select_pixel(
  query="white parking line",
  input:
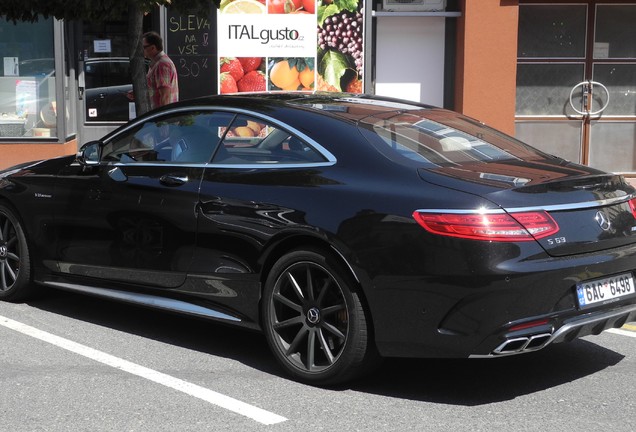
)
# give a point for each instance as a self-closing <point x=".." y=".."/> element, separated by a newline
<point x="218" y="399"/>
<point x="623" y="332"/>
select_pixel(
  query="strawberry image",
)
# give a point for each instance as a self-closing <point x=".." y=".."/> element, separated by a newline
<point x="252" y="82"/>
<point x="228" y="83"/>
<point x="233" y="66"/>
<point x="250" y="63"/>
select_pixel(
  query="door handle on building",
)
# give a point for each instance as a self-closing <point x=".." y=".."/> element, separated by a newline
<point x="588" y="93"/>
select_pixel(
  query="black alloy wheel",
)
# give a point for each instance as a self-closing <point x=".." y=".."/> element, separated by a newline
<point x="15" y="266"/>
<point x="314" y="321"/>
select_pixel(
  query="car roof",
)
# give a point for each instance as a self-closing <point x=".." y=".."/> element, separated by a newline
<point x="352" y="107"/>
<point x="107" y="59"/>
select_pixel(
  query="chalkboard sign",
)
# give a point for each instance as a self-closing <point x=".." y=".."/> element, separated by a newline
<point x="191" y="44"/>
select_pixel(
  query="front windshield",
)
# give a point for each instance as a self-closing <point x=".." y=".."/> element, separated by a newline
<point x="441" y="138"/>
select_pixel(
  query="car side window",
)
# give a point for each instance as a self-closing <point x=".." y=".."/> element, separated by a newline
<point x="183" y="138"/>
<point x="250" y="141"/>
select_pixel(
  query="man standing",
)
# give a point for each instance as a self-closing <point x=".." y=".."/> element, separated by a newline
<point x="163" y="83"/>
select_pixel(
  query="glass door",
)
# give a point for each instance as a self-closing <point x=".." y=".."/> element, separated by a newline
<point x="612" y="141"/>
<point x="576" y="82"/>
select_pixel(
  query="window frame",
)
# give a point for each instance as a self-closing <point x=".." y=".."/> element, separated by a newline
<point x="329" y="158"/>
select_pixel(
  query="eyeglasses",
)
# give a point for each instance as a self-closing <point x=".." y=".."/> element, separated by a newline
<point x="146" y="46"/>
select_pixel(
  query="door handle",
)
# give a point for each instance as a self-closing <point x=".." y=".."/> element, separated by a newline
<point x="173" y="179"/>
<point x="588" y="93"/>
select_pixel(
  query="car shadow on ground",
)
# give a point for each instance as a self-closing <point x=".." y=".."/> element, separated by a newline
<point x="473" y="382"/>
<point x="205" y="336"/>
<point x="466" y="382"/>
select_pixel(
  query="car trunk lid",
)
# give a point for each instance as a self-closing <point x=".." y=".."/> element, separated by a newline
<point x="592" y="209"/>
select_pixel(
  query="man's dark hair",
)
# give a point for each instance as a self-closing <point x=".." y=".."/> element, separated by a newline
<point x="153" y="38"/>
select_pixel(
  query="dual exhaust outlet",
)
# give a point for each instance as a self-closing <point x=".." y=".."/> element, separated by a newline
<point x="523" y="344"/>
<point x="539" y="336"/>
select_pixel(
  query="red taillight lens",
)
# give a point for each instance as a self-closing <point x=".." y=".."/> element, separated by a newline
<point x="522" y="226"/>
<point x="529" y="325"/>
<point x="632" y="206"/>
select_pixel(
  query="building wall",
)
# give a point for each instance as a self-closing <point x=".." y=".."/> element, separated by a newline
<point x="13" y="154"/>
<point x="487" y="62"/>
<point x="409" y="58"/>
<point x="485" y="82"/>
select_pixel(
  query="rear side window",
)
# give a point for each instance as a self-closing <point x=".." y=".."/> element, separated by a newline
<point x="440" y="138"/>
<point x="249" y="141"/>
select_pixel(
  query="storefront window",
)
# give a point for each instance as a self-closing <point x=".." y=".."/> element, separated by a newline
<point x="107" y="76"/>
<point x="27" y="79"/>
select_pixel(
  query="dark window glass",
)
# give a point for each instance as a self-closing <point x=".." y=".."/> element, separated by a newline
<point x="182" y="139"/>
<point x="552" y="31"/>
<point x="440" y="139"/>
<point x="615" y="31"/>
<point x="253" y="141"/>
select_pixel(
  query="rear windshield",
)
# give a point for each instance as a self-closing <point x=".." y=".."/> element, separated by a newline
<point x="442" y="138"/>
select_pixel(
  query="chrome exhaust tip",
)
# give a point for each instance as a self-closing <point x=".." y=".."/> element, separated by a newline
<point x="523" y="344"/>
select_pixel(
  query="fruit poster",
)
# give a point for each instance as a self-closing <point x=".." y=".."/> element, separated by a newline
<point x="290" y="45"/>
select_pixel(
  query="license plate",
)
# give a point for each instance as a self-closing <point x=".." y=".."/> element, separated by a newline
<point x="606" y="290"/>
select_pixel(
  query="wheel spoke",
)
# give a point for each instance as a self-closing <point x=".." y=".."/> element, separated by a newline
<point x="325" y="347"/>
<point x="297" y="289"/>
<point x="333" y="330"/>
<point x="311" y="350"/>
<point x="287" y="302"/>
<point x="323" y="290"/>
<point x="330" y="310"/>
<point x="310" y="284"/>
<point x="3" y="281"/>
<point x="4" y="232"/>
<point x="12" y="274"/>
<point x="288" y="323"/>
<point x="293" y="347"/>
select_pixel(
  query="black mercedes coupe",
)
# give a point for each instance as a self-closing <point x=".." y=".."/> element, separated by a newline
<point x="346" y="228"/>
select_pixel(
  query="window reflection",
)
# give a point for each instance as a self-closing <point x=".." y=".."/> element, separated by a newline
<point x="27" y="80"/>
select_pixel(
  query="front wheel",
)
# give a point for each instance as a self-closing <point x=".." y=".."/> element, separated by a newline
<point x="314" y="320"/>
<point x="15" y="265"/>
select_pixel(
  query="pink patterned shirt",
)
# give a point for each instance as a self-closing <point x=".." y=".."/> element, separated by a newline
<point x="162" y="78"/>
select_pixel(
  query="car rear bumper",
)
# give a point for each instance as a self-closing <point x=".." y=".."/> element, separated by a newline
<point x="592" y="323"/>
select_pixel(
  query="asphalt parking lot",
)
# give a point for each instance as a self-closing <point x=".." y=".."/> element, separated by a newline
<point x="71" y="363"/>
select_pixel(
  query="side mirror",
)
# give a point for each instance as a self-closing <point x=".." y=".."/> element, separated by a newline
<point x="89" y="153"/>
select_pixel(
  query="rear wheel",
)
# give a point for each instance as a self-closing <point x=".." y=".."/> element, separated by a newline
<point x="15" y="265"/>
<point x="314" y="320"/>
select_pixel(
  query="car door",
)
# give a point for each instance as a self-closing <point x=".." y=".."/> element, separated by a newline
<point x="132" y="218"/>
<point x="255" y="188"/>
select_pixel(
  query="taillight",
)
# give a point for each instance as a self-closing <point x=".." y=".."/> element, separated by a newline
<point x="632" y="206"/>
<point x="522" y="226"/>
<point x="528" y="325"/>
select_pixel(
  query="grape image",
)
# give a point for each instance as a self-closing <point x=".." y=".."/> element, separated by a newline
<point x="340" y="56"/>
<point x="343" y="32"/>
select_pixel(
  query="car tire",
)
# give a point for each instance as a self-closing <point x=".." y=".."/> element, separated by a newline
<point x="15" y="263"/>
<point x="314" y="320"/>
